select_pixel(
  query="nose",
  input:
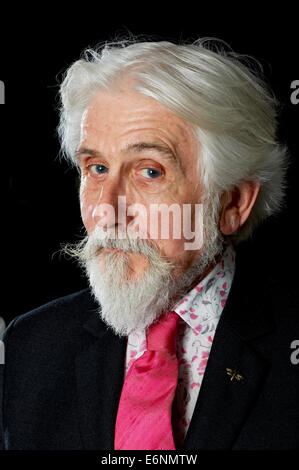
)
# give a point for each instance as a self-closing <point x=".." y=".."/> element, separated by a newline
<point x="110" y="209"/>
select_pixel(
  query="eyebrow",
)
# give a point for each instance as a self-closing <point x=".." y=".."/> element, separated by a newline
<point x="138" y="147"/>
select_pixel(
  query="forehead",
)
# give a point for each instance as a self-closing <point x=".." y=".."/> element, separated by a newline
<point x="124" y="114"/>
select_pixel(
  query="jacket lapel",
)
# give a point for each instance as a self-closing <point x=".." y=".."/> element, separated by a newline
<point x="225" y="400"/>
<point x="99" y="371"/>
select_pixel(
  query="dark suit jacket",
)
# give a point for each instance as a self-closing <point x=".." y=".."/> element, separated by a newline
<point x="63" y="375"/>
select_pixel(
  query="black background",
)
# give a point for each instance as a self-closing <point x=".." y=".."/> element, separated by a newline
<point x="40" y="208"/>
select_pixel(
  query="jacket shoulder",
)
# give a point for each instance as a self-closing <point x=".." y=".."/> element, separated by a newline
<point x="58" y="319"/>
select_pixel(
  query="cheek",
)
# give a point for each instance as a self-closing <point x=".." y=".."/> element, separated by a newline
<point x="86" y="208"/>
<point x="86" y="215"/>
<point x="172" y="249"/>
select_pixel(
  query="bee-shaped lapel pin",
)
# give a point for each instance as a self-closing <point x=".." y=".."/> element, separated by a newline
<point x="234" y="374"/>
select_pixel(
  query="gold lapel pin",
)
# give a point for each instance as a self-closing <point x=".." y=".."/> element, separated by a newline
<point x="234" y="374"/>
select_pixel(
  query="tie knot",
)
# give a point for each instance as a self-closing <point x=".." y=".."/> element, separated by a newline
<point x="162" y="334"/>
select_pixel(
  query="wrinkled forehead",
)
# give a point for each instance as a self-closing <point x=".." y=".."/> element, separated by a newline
<point x="124" y="115"/>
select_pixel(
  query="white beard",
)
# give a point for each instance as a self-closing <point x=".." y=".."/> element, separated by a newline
<point x="128" y="305"/>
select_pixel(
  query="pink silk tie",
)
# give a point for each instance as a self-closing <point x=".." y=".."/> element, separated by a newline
<point x="143" y="419"/>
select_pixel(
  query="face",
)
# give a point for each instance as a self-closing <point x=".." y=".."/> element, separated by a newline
<point x="133" y="146"/>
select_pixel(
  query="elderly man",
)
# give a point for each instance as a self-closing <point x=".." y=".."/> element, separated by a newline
<point x="179" y="342"/>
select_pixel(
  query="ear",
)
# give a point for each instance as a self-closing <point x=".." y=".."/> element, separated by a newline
<point x="236" y="206"/>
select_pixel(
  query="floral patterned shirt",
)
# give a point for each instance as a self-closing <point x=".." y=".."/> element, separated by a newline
<point x="200" y="311"/>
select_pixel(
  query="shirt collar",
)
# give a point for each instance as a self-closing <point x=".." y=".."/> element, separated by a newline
<point x="206" y="300"/>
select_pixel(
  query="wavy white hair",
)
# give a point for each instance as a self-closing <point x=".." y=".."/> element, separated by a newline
<point x="219" y="91"/>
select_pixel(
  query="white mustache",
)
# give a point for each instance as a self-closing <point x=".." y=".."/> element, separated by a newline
<point x="99" y="239"/>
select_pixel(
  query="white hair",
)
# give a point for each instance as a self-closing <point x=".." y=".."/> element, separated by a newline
<point x="230" y="105"/>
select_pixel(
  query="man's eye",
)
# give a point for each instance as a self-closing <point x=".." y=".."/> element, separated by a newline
<point x="98" y="169"/>
<point x="150" y="173"/>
